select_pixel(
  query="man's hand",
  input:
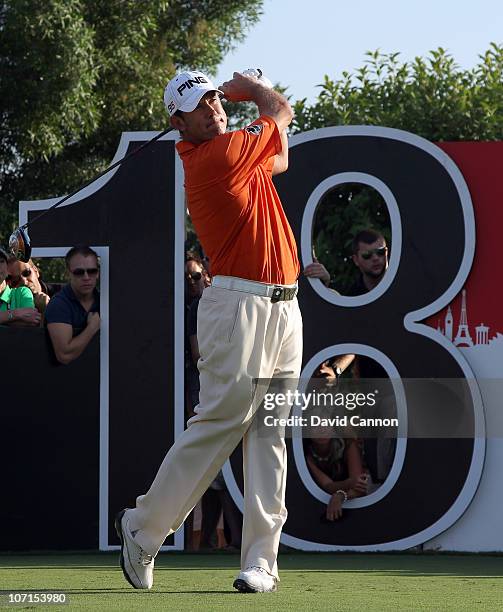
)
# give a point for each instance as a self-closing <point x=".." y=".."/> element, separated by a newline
<point x="317" y="270"/>
<point x="271" y="103"/>
<point x="325" y="371"/>
<point x="41" y="300"/>
<point x="26" y="316"/>
<point x="93" y="321"/>
<point x="241" y="87"/>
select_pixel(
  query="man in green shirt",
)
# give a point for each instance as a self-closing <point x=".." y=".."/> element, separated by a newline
<point x="16" y="305"/>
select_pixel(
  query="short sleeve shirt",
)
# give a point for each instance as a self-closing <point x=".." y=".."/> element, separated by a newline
<point x="20" y="297"/>
<point x="234" y="206"/>
<point x="64" y="307"/>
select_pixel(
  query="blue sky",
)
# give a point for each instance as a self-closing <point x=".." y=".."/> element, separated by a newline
<point x="297" y="42"/>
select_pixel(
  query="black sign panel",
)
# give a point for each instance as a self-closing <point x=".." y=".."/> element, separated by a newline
<point x="117" y="401"/>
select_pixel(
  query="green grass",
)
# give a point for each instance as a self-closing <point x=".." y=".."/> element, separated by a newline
<point x="311" y="582"/>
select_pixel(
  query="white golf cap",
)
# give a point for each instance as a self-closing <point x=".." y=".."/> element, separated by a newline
<point x="185" y="90"/>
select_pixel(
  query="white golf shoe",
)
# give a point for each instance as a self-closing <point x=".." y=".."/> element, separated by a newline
<point x="255" y="579"/>
<point x="137" y="565"/>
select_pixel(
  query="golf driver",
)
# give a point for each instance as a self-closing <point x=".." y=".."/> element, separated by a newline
<point x="19" y="241"/>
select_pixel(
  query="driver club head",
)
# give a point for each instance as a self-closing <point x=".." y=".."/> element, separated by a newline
<point x="19" y="244"/>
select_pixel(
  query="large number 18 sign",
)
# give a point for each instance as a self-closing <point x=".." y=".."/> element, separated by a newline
<point x="135" y="218"/>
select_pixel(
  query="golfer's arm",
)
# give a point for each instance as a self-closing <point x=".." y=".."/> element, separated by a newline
<point x="67" y="348"/>
<point x="281" y="159"/>
<point x="272" y="104"/>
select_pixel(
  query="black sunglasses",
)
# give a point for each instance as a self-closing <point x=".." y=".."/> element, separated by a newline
<point x="381" y="252"/>
<point x="25" y="273"/>
<point x="82" y="271"/>
<point x="195" y="276"/>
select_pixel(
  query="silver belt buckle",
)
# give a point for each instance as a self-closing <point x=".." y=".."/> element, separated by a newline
<point x="277" y="294"/>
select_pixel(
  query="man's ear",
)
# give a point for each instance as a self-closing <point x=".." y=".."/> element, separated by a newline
<point x="353" y="257"/>
<point x="177" y="123"/>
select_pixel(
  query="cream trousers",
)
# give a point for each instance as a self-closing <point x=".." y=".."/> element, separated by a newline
<point x="242" y="337"/>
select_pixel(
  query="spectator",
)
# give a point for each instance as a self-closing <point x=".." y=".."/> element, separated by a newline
<point x="196" y="276"/>
<point x="336" y="465"/>
<point x="27" y="275"/>
<point x="196" y="279"/>
<point x="72" y="316"/>
<point x="370" y="256"/>
<point x="16" y="304"/>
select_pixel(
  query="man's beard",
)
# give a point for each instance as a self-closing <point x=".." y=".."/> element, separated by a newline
<point x="376" y="275"/>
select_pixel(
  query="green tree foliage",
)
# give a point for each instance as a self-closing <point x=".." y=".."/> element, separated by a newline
<point x="74" y="74"/>
<point x="432" y="97"/>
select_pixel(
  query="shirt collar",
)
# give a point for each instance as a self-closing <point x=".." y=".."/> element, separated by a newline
<point x="69" y="292"/>
<point x="71" y="295"/>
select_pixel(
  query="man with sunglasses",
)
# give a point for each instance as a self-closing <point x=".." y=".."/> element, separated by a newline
<point x="370" y="256"/>
<point x="196" y="277"/>
<point x="72" y="316"/>
<point x="249" y="325"/>
<point x="26" y="274"/>
<point x="16" y="304"/>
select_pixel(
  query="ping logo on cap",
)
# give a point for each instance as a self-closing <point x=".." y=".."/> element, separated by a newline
<point x="189" y="83"/>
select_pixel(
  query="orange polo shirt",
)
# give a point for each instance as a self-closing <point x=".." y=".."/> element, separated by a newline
<point x="234" y="206"/>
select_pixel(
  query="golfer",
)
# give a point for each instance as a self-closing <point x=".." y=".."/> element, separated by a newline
<point x="249" y="325"/>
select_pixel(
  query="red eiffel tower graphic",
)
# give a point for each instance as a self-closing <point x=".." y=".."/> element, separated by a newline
<point x="463" y="337"/>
